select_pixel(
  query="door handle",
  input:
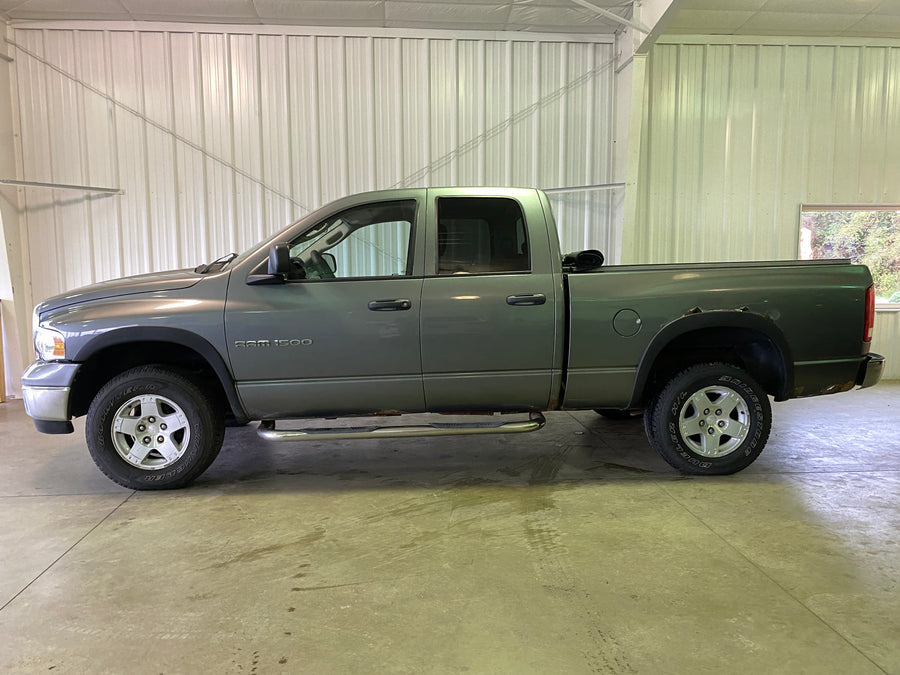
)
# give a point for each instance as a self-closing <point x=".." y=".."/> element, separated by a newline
<point x="526" y="299"/>
<point x="390" y="305"/>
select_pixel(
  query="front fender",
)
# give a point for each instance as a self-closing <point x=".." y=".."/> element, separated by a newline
<point x="166" y="334"/>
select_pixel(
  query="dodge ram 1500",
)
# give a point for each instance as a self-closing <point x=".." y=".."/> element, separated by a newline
<point x="441" y="301"/>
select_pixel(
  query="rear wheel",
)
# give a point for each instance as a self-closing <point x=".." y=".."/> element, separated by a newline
<point x="710" y="419"/>
<point x="151" y="428"/>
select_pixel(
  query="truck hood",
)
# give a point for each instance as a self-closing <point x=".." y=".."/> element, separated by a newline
<point x="142" y="283"/>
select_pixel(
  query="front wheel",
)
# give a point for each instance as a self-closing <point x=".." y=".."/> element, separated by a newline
<point x="710" y="419"/>
<point x="151" y="428"/>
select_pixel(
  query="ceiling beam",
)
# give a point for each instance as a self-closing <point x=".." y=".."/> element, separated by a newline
<point x="612" y="16"/>
<point x="660" y="13"/>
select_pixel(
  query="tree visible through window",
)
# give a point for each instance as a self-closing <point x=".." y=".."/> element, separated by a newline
<point x="870" y="237"/>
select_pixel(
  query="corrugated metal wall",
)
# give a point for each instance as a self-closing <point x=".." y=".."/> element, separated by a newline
<point x="220" y="139"/>
<point x="736" y="137"/>
<point x="886" y="341"/>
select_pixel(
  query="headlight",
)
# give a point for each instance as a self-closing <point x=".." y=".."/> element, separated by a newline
<point x="49" y="344"/>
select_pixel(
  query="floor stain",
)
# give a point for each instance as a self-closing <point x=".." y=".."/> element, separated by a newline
<point x="545" y="468"/>
<point x="298" y="589"/>
<point x="553" y="570"/>
<point x="265" y="551"/>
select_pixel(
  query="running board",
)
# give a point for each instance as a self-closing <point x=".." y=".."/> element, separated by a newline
<point x="267" y="430"/>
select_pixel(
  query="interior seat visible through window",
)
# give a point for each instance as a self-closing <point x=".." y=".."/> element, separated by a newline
<point x="478" y="235"/>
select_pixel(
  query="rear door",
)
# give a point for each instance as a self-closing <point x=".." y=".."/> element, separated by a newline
<point x="489" y="304"/>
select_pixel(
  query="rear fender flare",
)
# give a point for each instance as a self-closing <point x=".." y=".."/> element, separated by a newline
<point x="714" y="319"/>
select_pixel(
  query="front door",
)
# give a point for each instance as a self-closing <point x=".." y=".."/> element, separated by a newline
<point x="342" y="334"/>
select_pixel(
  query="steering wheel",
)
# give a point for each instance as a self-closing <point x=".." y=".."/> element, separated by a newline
<point x="298" y="271"/>
<point x="321" y="267"/>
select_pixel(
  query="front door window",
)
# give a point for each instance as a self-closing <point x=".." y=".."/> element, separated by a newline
<point x="367" y="241"/>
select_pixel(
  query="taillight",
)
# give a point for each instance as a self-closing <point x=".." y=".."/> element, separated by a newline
<point x="870" y="314"/>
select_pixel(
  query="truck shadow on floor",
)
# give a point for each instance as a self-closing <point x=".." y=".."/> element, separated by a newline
<point x="571" y="448"/>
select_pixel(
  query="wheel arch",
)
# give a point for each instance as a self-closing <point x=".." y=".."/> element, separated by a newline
<point x="116" y="351"/>
<point x="744" y="339"/>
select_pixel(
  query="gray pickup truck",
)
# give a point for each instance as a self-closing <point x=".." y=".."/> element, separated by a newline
<point x="453" y="300"/>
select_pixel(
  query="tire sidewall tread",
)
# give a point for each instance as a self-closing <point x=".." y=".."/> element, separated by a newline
<point x="204" y="417"/>
<point x="661" y="419"/>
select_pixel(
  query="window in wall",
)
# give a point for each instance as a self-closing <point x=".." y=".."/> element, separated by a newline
<point x="866" y="235"/>
<point x="478" y="235"/>
<point x="366" y="241"/>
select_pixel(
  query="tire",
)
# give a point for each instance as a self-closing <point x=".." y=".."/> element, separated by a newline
<point x="615" y="414"/>
<point x="710" y="419"/>
<point x="151" y="428"/>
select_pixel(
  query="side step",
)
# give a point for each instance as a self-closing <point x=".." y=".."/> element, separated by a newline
<point x="268" y="431"/>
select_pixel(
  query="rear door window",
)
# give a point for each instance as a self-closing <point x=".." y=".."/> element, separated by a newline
<point x="481" y="235"/>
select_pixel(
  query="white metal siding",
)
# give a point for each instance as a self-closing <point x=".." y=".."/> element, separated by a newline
<point x="886" y="341"/>
<point x="219" y="139"/>
<point x="737" y="137"/>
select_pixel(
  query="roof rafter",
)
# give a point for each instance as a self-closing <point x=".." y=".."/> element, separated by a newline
<point x="602" y="11"/>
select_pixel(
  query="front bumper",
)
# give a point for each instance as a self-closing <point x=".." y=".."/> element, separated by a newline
<point x="870" y="370"/>
<point x="45" y="388"/>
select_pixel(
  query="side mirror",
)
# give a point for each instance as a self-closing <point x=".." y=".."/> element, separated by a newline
<point x="277" y="267"/>
<point x="279" y="259"/>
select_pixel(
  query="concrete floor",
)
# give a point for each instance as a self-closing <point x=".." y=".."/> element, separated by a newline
<point x="570" y="550"/>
